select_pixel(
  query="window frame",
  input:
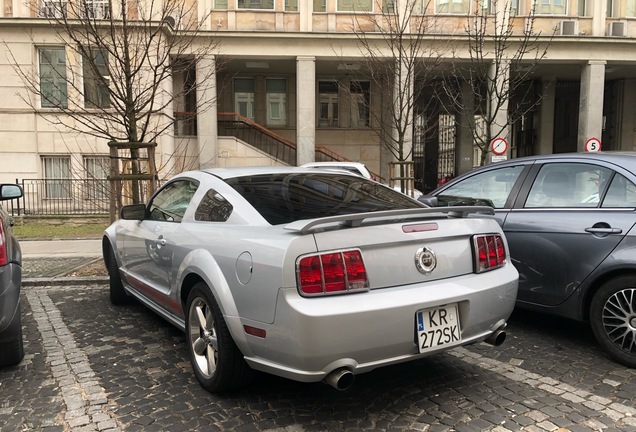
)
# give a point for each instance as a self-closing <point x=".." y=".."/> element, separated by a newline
<point x="364" y="120"/>
<point x="57" y="174"/>
<point x="271" y="98"/>
<point x="96" y="185"/>
<point x="353" y="9"/>
<point x="101" y="89"/>
<point x="242" y="5"/>
<point x="333" y="110"/>
<point x="55" y="79"/>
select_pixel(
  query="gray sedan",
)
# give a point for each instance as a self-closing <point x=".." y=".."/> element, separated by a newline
<point x="11" y="345"/>
<point x="309" y="274"/>
<point x="570" y="222"/>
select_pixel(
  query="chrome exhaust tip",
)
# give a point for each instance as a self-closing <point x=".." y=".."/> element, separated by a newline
<point x="340" y="379"/>
<point x="496" y="338"/>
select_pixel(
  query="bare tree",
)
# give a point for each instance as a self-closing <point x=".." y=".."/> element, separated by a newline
<point x="503" y="54"/>
<point x="400" y="59"/>
<point x="113" y="78"/>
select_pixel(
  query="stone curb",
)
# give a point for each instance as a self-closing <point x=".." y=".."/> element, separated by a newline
<point x="48" y="281"/>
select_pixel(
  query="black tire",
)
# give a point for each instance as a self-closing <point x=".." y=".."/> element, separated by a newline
<point x="11" y="347"/>
<point x="613" y="319"/>
<point x="217" y="362"/>
<point x="118" y="295"/>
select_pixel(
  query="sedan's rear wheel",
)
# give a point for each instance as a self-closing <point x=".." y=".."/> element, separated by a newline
<point x="217" y="362"/>
<point x="613" y="319"/>
<point x="11" y="346"/>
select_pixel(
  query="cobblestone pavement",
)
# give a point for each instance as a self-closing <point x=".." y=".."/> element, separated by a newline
<point x="91" y="366"/>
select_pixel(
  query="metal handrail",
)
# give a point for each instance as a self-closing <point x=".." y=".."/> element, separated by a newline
<point x="325" y="154"/>
<point x="233" y="124"/>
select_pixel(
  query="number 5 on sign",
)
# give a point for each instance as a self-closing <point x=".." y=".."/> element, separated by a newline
<point x="593" y="145"/>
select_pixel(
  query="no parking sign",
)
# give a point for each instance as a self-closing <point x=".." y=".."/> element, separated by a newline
<point x="593" y="145"/>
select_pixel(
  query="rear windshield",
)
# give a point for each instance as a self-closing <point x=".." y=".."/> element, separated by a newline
<point x="284" y="198"/>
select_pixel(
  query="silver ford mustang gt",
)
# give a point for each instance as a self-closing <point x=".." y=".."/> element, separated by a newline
<point x="309" y="274"/>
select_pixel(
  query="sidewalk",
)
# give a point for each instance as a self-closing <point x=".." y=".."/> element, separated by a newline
<point x="46" y="262"/>
<point x="61" y="248"/>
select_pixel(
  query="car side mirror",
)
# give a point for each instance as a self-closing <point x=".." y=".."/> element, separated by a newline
<point x="10" y="191"/>
<point x="429" y="200"/>
<point x="133" y="212"/>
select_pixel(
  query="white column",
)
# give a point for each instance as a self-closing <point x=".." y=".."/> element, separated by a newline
<point x="597" y="9"/>
<point x="207" y="112"/>
<point x="591" y="102"/>
<point x="17" y="9"/>
<point x="204" y="10"/>
<point x="306" y="110"/>
<point x="306" y="11"/>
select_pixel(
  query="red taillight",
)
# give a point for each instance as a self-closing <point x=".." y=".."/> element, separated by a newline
<point x="3" y="247"/>
<point x="331" y="273"/>
<point x="490" y="252"/>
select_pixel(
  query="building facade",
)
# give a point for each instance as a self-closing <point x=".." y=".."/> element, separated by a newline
<point x="292" y="86"/>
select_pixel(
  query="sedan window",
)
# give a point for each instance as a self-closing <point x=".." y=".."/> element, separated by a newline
<point x="171" y="202"/>
<point x="489" y="188"/>
<point x="621" y="193"/>
<point x="571" y="185"/>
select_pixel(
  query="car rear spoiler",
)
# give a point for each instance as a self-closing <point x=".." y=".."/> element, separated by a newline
<point x="354" y="220"/>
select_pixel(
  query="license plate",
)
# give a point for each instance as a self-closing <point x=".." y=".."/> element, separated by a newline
<point x="438" y="326"/>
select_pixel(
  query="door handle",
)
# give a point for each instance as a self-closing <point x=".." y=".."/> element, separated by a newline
<point x="605" y="231"/>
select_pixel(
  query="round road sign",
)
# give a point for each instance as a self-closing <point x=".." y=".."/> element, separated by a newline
<point x="593" y="145"/>
<point x="499" y="146"/>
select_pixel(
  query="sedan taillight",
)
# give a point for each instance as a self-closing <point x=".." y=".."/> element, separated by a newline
<point x="332" y="273"/>
<point x="490" y="252"/>
<point x="3" y="247"/>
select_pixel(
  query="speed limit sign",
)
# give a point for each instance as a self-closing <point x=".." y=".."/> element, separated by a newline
<point x="593" y="145"/>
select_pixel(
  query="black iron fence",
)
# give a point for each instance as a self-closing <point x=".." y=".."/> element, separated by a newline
<point x="61" y="197"/>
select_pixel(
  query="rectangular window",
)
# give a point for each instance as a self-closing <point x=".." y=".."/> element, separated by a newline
<point x="96" y="169"/>
<point x="53" y="9"/>
<point x="355" y="6"/>
<point x="320" y="5"/>
<point x="256" y="4"/>
<point x="630" y="8"/>
<point x="96" y="80"/>
<point x="452" y="6"/>
<point x="57" y="176"/>
<point x="550" y="7"/>
<point x="291" y="5"/>
<point x="416" y="7"/>
<point x="96" y="9"/>
<point x="581" y="11"/>
<point x="53" y="83"/>
<point x="276" y="89"/>
<point x="220" y="4"/>
<point x="328" y="104"/>
<point x="388" y="6"/>
<point x="244" y="97"/>
<point x="360" y="103"/>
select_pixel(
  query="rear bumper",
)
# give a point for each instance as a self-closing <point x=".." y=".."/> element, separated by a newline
<point x="311" y="337"/>
<point x="10" y="282"/>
